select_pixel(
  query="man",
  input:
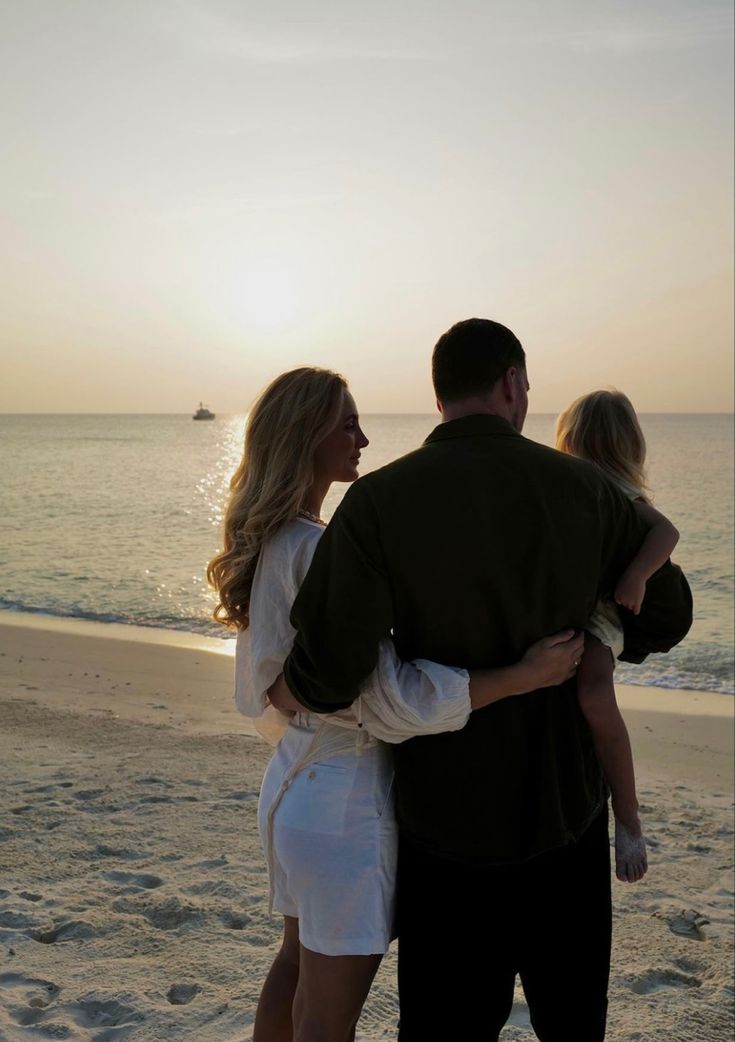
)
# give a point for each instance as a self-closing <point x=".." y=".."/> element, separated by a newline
<point x="467" y="550"/>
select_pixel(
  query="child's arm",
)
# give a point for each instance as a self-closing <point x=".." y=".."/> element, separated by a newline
<point x="655" y="551"/>
<point x="596" y="693"/>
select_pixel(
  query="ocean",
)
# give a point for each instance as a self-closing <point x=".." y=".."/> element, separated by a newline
<point x="113" y="518"/>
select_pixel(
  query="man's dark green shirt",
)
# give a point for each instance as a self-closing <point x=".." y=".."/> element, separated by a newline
<point x="467" y="551"/>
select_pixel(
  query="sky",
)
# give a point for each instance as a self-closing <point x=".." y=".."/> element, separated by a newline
<point x="198" y="194"/>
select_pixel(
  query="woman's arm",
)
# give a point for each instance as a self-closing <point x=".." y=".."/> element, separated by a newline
<point x="548" y="662"/>
<point x="655" y="551"/>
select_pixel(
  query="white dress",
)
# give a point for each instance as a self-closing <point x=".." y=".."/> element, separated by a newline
<point x="326" y="811"/>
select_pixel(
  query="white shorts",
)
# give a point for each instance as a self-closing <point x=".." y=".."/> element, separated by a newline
<point x="604" y="623"/>
<point x="335" y="847"/>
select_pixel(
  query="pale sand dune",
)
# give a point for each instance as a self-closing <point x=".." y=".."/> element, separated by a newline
<point x="133" y="897"/>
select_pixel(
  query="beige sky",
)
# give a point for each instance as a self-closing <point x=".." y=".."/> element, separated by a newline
<point x="197" y="194"/>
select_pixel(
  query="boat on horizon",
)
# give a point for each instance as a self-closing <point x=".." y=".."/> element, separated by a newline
<point x="203" y="413"/>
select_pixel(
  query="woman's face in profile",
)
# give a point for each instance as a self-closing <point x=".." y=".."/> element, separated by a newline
<point x="337" y="456"/>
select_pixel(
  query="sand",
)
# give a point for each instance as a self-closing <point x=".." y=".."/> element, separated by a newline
<point x="133" y="894"/>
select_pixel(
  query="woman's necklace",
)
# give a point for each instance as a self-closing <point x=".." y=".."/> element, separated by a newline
<point x="311" y="517"/>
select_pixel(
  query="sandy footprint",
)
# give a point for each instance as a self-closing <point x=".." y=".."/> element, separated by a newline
<point x="134" y="879"/>
<point x="95" y="1011"/>
<point x="689" y="924"/>
<point x="653" y="980"/>
<point x="182" y="994"/>
<point x="163" y="915"/>
<point x="28" y="1002"/>
<point x="102" y="850"/>
<point x="73" y="930"/>
<point x="34" y="991"/>
<point x="214" y="888"/>
<point x="12" y="920"/>
<point x="234" y="920"/>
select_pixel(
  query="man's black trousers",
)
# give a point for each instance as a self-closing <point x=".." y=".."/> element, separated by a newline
<point x="465" y="932"/>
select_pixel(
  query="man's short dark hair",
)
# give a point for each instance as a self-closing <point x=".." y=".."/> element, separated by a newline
<point x="471" y="357"/>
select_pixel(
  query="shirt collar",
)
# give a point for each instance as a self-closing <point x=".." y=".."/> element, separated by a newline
<point x="477" y="425"/>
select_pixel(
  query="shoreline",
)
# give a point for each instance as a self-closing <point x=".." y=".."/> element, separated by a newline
<point x="161" y="636"/>
<point x="117" y="631"/>
<point x="171" y="678"/>
<point x="164" y="678"/>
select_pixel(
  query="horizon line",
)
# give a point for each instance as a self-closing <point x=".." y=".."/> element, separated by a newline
<point x="394" y="412"/>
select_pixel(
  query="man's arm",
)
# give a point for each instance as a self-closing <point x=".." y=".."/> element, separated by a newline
<point x="343" y="610"/>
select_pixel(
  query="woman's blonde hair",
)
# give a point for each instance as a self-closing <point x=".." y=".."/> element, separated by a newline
<point x="285" y="425"/>
<point x="602" y="427"/>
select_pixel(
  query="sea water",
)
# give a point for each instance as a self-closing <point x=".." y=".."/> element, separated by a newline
<point x="113" y="518"/>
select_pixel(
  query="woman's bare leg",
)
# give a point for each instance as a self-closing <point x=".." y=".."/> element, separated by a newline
<point x="596" y="693"/>
<point x="274" y="1016"/>
<point x="330" y="995"/>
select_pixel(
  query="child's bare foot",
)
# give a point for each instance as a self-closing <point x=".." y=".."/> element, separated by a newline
<point x="631" y="860"/>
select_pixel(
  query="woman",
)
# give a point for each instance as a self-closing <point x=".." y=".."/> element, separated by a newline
<point x="326" y="815"/>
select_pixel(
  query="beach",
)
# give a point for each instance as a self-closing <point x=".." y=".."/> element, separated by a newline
<point x="133" y="891"/>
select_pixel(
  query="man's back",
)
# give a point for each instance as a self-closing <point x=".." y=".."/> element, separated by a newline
<point x="470" y="549"/>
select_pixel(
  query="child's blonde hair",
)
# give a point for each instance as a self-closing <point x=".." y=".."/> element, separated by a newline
<point x="602" y="427"/>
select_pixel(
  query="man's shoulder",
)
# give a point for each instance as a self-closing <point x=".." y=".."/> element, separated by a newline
<point x="397" y="468"/>
<point x="527" y="453"/>
<point x="561" y="462"/>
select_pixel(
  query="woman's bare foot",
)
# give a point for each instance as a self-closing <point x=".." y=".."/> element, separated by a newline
<point x="631" y="860"/>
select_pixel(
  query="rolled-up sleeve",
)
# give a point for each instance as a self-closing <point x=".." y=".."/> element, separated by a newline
<point x="401" y="700"/>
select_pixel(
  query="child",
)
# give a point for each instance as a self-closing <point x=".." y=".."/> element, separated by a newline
<point x="602" y="427"/>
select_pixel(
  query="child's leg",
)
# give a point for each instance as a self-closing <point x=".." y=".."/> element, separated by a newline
<point x="596" y="693"/>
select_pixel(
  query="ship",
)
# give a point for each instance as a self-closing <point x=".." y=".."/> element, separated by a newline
<point x="203" y="413"/>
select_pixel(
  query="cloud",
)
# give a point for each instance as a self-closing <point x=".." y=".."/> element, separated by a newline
<point x="670" y="32"/>
<point x="209" y="31"/>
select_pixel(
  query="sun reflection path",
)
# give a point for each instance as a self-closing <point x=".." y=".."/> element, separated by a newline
<point x="214" y="486"/>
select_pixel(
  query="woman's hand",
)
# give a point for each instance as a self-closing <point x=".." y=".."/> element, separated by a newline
<point x="552" y="660"/>
<point x="279" y="695"/>
<point x="548" y="662"/>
